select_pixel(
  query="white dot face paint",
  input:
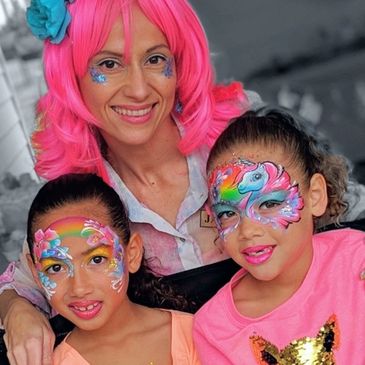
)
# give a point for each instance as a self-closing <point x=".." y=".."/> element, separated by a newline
<point x="104" y="254"/>
<point x="260" y="191"/>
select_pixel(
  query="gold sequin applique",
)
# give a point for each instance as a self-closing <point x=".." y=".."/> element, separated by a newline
<point x="304" y="351"/>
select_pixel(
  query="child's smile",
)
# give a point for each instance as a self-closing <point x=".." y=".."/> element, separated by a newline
<point x="260" y="210"/>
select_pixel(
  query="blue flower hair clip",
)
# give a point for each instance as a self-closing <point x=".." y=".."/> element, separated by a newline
<point x="48" y="19"/>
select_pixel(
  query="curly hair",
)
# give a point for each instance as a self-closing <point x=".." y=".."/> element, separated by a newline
<point x="281" y="127"/>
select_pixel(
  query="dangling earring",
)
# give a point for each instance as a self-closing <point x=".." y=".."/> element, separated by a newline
<point x="178" y="106"/>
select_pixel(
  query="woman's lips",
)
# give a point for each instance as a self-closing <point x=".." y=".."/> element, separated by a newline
<point x="257" y="255"/>
<point x="134" y="114"/>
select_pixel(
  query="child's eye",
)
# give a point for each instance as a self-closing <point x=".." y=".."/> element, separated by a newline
<point x="97" y="260"/>
<point x="270" y="204"/>
<point x="54" y="269"/>
<point x="226" y="214"/>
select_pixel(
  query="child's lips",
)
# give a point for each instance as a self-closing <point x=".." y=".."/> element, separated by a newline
<point x="258" y="254"/>
<point x="86" y="309"/>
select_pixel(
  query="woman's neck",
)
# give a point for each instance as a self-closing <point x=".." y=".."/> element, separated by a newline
<point x="143" y="162"/>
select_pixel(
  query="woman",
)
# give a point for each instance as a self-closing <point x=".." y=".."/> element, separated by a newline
<point x="131" y="97"/>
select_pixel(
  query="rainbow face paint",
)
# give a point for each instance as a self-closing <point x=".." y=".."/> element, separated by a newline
<point x="53" y="261"/>
<point x="260" y="191"/>
<point x="97" y="76"/>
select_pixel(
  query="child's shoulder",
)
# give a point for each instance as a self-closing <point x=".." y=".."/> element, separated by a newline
<point x="345" y="247"/>
<point x="341" y="236"/>
<point x="182" y="318"/>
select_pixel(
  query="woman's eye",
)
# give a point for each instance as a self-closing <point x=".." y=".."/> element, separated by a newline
<point x="156" y="60"/>
<point x="109" y="64"/>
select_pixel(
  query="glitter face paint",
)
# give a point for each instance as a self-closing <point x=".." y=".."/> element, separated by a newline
<point x="168" y="69"/>
<point x="260" y="191"/>
<point x="53" y="258"/>
<point x="97" y="76"/>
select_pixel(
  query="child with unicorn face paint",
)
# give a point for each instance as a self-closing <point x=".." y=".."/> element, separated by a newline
<point x="300" y="295"/>
<point x="88" y="263"/>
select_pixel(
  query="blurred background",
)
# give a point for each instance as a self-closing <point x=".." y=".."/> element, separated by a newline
<point x="308" y="55"/>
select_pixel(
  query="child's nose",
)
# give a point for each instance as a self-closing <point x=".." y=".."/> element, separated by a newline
<point x="80" y="283"/>
<point x="249" y="228"/>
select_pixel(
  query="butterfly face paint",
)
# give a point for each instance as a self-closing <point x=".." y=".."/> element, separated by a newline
<point x="54" y="263"/>
<point x="260" y="191"/>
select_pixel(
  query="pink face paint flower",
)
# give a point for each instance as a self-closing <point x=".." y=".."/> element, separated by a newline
<point x="44" y="241"/>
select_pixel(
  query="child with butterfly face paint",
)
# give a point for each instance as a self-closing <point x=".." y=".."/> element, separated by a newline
<point x="89" y="265"/>
<point x="300" y="296"/>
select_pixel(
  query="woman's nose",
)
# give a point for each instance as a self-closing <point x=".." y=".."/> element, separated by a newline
<point x="136" y="84"/>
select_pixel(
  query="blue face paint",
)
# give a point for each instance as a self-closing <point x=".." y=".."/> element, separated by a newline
<point x="97" y="76"/>
<point x="168" y="69"/>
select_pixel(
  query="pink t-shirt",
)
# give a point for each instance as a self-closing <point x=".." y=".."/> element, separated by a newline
<point x="182" y="348"/>
<point x="329" y="306"/>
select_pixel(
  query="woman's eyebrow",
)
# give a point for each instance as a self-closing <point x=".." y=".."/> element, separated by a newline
<point x="110" y="53"/>
<point x="157" y="46"/>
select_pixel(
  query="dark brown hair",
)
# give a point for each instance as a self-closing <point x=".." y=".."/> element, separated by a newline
<point x="144" y="287"/>
<point x="280" y="127"/>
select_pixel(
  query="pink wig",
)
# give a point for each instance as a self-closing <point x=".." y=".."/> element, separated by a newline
<point x="67" y="139"/>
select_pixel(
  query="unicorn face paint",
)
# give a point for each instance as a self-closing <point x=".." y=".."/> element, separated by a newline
<point x="260" y="191"/>
<point x="52" y="252"/>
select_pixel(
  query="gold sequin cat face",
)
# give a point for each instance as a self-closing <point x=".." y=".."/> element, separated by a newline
<point x="304" y="351"/>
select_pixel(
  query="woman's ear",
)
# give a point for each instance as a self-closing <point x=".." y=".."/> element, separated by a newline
<point x="318" y="194"/>
<point x="33" y="270"/>
<point x="134" y="253"/>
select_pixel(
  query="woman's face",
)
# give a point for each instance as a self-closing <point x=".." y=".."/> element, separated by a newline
<point x="132" y="99"/>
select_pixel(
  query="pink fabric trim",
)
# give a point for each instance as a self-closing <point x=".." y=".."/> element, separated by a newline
<point x="8" y="275"/>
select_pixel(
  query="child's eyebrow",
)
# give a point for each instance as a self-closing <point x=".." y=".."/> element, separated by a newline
<point x="94" y="248"/>
<point x="84" y="253"/>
